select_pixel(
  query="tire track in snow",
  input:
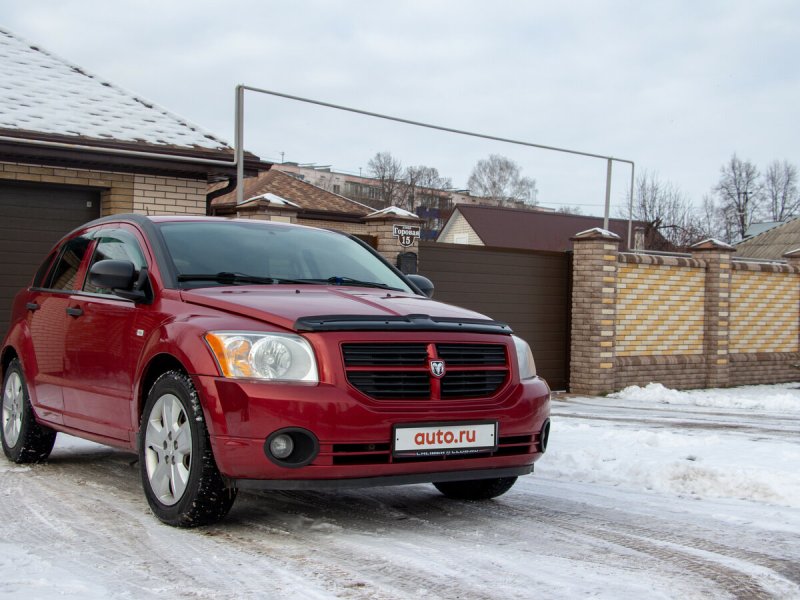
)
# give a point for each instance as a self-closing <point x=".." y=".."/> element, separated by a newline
<point x="372" y="544"/>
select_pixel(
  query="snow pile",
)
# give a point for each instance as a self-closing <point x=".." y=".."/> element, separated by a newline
<point x="667" y="441"/>
<point x="782" y="397"/>
<point x="686" y="463"/>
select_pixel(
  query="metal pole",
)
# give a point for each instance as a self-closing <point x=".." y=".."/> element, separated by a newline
<point x="239" y="143"/>
<point x="630" y="213"/>
<point x="608" y="193"/>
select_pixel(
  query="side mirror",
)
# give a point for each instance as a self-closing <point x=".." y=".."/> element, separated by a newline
<point x="120" y="277"/>
<point x="424" y="284"/>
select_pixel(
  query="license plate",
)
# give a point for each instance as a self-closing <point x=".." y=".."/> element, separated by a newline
<point x="445" y="439"/>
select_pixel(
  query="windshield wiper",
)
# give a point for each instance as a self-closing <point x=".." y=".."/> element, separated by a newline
<point x="226" y="277"/>
<point x="231" y="278"/>
<point x="355" y="282"/>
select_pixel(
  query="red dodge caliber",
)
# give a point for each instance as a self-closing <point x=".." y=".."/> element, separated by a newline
<point x="238" y="354"/>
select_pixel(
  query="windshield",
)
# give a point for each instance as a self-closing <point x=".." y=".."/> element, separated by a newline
<point x="227" y="253"/>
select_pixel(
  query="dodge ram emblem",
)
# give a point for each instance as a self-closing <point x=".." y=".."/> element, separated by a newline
<point x="437" y="368"/>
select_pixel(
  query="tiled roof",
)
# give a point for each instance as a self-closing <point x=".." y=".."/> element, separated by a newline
<point x="44" y="95"/>
<point x="307" y="196"/>
<point x="534" y="230"/>
<point x="773" y="243"/>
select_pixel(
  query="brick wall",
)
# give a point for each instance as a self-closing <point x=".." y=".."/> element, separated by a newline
<point x="352" y="228"/>
<point x="687" y="322"/>
<point x="763" y="316"/>
<point x="120" y="192"/>
<point x="659" y="309"/>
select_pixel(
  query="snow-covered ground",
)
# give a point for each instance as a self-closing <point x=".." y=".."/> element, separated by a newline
<point x="652" y="493"/>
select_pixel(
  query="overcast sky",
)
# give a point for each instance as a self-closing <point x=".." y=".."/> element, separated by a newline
<point x="676" y="87"/>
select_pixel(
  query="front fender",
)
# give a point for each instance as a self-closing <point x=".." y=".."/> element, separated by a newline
<point x="181" y="341"/>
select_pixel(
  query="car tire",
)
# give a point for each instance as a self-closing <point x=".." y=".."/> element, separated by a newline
<point x="477" y="489"/>
<point x="180" y="477"/>
<point x="24" y="440"/>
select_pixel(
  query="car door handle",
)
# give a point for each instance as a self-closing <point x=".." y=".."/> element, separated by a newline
<point x="32" y="306"/>
<point x="75" y="311"/>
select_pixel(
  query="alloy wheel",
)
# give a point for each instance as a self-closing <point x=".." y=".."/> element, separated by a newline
<point x="13" y="396"/>
<point x="168" y="449"/>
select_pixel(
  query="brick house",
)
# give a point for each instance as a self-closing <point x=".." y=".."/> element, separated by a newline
<point x="74" y="147"/>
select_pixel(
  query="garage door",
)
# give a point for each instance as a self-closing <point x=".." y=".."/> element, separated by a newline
<point x="32" y="219"/>
<point x="528" y="290"/>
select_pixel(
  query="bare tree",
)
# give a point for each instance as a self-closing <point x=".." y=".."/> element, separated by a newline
<point x="780" y="190"/>
<point x="667" y="214"/>
<point x="740" y="193"/>
<point x="713" y="222"/>
<point x="424" y="186"/>
<point x="500" y="179"/>
<point x="389" y="172"/>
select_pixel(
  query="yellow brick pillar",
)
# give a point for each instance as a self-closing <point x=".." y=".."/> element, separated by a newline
<point x="717" y="257"/>
<point x="594" y="297"/>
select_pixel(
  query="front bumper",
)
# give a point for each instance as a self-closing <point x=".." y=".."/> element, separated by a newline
<point x="355" y="434"/>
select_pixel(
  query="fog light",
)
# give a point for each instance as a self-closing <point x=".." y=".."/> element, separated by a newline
<point x="291" y="447"/>
<point x="281" y="446"/>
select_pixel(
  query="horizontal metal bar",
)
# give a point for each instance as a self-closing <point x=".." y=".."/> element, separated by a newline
<point x="429" y="125"/>
<point x="760" y="261"/>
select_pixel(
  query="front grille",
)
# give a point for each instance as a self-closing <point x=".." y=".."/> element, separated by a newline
<point x="472" y="354"/>
<point x="392" y="385"/>
<point x="381" y="453"/>
<point x="385" y="371"/>
<point x="472" y="384"/>
<point x="384" y="354"/>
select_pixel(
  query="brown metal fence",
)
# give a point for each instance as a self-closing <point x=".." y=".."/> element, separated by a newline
<point x="529" y="290"/>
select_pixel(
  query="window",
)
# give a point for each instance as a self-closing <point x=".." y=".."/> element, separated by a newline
<point x="64" y="274"/>
<point x="115" y="244"/>
<point x="337" y="189"/>
<point x="265" y="250"/>
<point x="41" y="273"/>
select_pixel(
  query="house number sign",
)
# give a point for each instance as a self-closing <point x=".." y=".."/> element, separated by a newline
<point x="406" y="234"/>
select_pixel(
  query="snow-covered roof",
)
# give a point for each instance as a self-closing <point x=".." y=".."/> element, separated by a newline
<point x="41" y="93"/>
<point x="598" y="231"/>
<point x="712" y="242"/>
<point x="395" y="211"/>
<point x="272" y="199"/>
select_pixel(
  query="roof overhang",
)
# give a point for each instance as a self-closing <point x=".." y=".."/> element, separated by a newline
<point x="149" y="159"/>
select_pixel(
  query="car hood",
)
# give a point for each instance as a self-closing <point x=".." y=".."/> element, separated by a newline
<point x="284" y="305"/>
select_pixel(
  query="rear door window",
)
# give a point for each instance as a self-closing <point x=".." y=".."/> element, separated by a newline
<point x="43" y="270"/>
<point x="65" y="273"/>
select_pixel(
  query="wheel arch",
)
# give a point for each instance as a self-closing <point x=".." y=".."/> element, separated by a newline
<point x="9" y="354"/>
<point x="156" y="367"/>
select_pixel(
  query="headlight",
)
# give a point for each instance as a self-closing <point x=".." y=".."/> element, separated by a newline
<point x="527" y="368"/>
<point x="271" y="356"/>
